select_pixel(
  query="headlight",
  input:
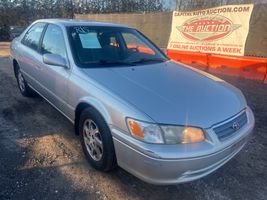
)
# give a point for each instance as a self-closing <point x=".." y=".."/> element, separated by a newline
<point x="182" y="134"/>
<point x="152" y="133"/>
<point x="146" y="132"/>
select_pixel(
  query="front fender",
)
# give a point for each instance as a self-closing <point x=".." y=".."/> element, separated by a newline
<point x="98" y="105"/>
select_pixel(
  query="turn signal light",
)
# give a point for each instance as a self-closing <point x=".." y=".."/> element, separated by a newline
<point x="136" y="130"/>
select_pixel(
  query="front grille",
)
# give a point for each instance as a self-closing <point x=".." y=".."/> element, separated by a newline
<point x="229" y="128"/>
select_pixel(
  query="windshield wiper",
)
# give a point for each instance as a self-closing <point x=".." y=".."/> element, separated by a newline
<point x="110" y="62"/>
<point x="127" y="63"/>
<point x="144" y="60"/>
<point x="117" y="62"/>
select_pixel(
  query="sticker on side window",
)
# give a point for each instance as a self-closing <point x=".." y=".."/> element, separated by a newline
<point x="90" y="41"/>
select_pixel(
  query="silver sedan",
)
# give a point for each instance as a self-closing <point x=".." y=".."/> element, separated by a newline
<point x="158" y="119"/>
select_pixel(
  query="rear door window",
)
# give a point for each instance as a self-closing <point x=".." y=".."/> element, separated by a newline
<point x="33" y="35"/>
<point x="133" y="43"/>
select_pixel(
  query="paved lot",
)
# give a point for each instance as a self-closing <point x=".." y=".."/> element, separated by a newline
<point x="41" y="158"/>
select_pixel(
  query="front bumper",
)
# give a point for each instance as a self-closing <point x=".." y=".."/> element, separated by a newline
<point x="172" y="164"/>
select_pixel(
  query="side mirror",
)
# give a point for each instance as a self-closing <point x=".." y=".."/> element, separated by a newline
<point x="53" y="59"/>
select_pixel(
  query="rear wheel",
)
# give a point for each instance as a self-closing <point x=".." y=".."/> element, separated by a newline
<point x="96" y="140"/>
<point x="24" y="88"/>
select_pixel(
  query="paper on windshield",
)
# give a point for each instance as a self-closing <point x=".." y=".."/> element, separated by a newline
<point x="90" y="41"/>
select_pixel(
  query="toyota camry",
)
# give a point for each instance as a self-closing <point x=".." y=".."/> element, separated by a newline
<point x="133" y="107"/>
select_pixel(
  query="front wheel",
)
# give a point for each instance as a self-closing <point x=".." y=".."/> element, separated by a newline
<point x="96" y="140"/>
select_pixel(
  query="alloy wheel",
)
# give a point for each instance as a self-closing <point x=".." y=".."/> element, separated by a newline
<point x="21" y="81"/>
<point x="92" y="139"/>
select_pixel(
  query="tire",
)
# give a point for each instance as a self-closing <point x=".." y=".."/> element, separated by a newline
<point x="23" y="86"/>
<point x="96" y="140"/>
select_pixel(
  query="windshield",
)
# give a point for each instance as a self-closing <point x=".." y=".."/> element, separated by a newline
<point x="104" y="46"/>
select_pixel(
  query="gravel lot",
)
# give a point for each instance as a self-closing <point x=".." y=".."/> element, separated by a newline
<point x="41" y="158"/>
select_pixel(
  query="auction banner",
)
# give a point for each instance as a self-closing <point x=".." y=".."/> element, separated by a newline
<point x="220" y="30"/>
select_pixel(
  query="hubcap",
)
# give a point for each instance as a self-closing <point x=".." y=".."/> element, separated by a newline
<point x="21" y="81"/>
<point x="92" y="139"/>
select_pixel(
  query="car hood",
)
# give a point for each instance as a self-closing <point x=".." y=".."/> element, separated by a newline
<point x="172" y="93"/>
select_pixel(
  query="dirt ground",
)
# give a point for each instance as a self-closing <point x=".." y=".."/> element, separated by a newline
<point x="41" y="158"/>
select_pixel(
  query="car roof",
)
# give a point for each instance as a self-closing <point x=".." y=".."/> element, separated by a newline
<point x="77" y="22"/>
